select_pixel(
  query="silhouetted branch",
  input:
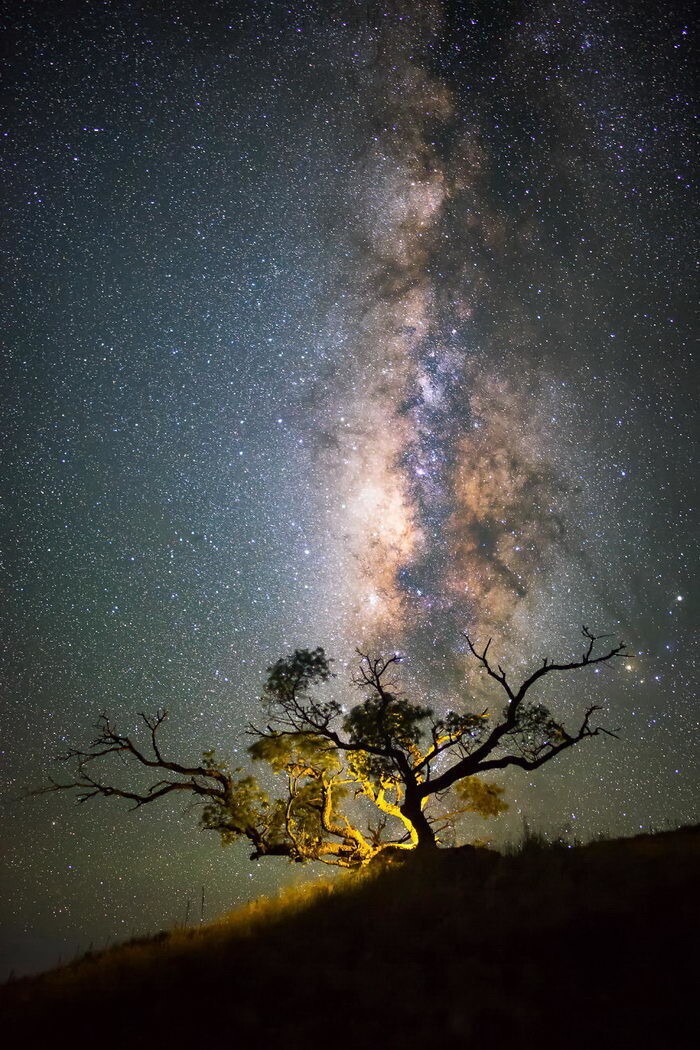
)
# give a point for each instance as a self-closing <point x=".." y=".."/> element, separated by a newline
<point x="480" y="759"/>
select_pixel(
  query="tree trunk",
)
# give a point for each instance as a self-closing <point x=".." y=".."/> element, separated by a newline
<point x="412" y="811"/>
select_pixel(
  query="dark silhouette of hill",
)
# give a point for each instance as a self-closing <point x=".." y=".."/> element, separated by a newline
<point x="592" y="947"/>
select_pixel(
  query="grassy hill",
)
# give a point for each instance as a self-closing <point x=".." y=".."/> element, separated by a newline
<point x="588" y="947"/>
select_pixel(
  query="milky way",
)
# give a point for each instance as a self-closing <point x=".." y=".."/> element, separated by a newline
<point x="456" y="488"/>
<point x="337" y="324"/>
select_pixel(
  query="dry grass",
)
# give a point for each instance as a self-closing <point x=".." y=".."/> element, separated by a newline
<point x="550" y="947"/>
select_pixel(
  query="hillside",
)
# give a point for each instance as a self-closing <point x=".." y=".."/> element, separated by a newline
<point x="586" y="947"/>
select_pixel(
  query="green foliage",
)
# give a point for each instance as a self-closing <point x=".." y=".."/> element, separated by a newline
<point x="294" y="753"/>
<point x="303" y="819"/>
<point x="293" y="675"/>
<point x="387" y="722"/>
<point x="371" y="770"/>
<point x="245" y="805"/>
<point x="470" y="726"/>
<point x="480" y="796"/>
<point x="536" y="729"/>
<point x="210" y="761"/>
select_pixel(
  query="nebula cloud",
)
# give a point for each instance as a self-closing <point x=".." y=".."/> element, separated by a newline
<point x="450" y="509"/>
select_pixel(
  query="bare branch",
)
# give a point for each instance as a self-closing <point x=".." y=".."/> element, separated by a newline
<point x="482" y="657"/>
<point x="481" y="759"/>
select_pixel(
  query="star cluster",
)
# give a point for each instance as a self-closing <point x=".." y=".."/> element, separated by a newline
<point x="336" y="324"/>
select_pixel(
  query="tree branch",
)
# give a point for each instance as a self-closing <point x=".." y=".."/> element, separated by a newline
<point x="479" y="761"/>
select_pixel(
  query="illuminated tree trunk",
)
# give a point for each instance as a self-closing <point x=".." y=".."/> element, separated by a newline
<point x="412" y="811"/>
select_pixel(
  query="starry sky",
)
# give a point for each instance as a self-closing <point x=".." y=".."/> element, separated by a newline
<point x="336" y="323"/>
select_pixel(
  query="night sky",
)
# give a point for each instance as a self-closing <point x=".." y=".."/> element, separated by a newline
<point x="336" y="324"/>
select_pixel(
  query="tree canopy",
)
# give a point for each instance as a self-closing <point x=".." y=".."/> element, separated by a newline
<point x="387" y="774"/>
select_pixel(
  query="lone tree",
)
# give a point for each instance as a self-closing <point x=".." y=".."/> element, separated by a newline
<point x="389" y="753"/>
